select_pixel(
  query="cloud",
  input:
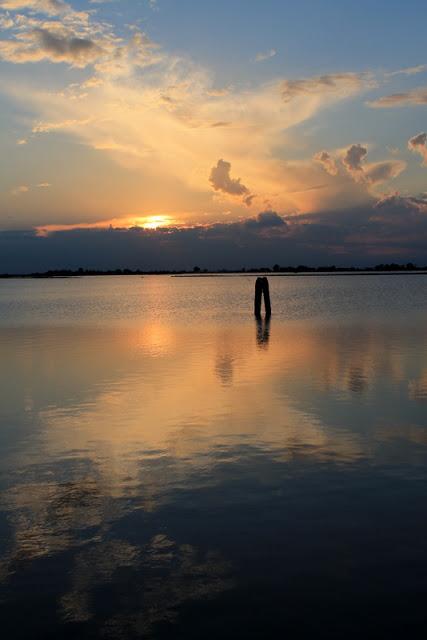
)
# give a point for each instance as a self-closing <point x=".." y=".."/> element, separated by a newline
<point x="17" y="191"/>
<point x="20" y="190"/>
<point x="50" y="7"/>
<point x="266" y="220"/>
<point x="418" y="144"/>
<point x="371" y="174"/>
<point x="62" y="48"/>
<point x="343" y="84"/>
<point x="218" y="93"/>
<point x="220" y="124"/>
<point x="405" y="99"/>
<point x="6" y="22"/>
<point x="47" y="127"/>
<point x="353" y="158"/>
<point x="327" y="162"/>
<point x="76" y="39"/>
<point x="141" y="51"/>
<point x="378" y="172"/>
<point x="354" y="161"/>
<point x="265" y="55"/>
<point x="408" y="71"/>
<point x="221" y="180"/>
<point x="400" y="207"/>
<point x="70" y="39"/>
<point x="249" y="199"/>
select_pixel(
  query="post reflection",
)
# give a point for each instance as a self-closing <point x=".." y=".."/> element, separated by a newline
<point x="263" y="331"/>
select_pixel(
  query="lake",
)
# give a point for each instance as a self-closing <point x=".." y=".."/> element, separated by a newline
<point x="172" y="468"/>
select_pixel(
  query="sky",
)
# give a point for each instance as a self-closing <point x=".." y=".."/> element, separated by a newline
<point x="168" y="133"/>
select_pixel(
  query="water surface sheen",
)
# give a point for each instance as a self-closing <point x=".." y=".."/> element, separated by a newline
<point x="171" y="468"/>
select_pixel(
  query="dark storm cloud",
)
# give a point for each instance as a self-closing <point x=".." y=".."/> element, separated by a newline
<point x="393" y="229"/>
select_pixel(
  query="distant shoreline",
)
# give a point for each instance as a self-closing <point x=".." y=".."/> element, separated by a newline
<point x="309" y="273"/>
<point x="393" y="269"/>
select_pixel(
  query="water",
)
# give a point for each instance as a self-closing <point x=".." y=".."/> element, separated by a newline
<point x="170" y="468"/>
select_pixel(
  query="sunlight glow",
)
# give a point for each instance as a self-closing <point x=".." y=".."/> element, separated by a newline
<point x="153" y="222"/>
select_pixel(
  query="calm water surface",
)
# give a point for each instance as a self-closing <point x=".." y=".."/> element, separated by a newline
<point x="170" y="468"/>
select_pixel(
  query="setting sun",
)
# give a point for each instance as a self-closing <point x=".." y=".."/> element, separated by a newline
<point x="153" y="222"/>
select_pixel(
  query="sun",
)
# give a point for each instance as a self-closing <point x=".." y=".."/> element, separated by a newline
<point x="153" y="222"/>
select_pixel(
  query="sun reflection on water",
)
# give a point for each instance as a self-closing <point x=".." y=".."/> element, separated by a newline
<point x="125" y="426"/>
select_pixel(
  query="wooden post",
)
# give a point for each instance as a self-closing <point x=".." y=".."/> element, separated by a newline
<point x="258" y="297"/>
<point x="262" y="288"/>
<point x="267" y="301"/>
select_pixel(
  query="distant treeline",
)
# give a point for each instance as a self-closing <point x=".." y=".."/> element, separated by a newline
<point x="276" y="269"/>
